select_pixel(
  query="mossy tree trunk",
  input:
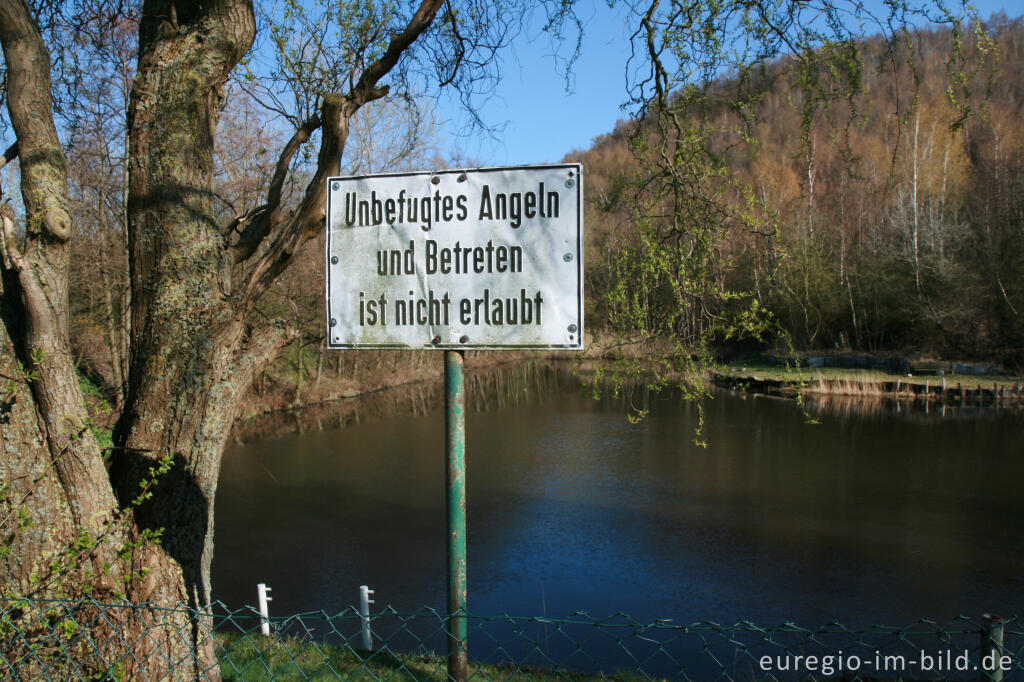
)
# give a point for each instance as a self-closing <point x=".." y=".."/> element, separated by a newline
<point x="191" y="353"/>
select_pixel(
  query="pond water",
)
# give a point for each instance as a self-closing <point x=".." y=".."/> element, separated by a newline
<point x="878" y="514"/>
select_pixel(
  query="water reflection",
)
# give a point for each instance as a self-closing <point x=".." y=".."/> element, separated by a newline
<point x="908" y="407"/>
<point x="491" y="388"/>
<point x="865" y="517"/>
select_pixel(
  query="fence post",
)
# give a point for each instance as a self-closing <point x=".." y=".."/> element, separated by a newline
<point x="261" y="593"/>
<point x="991" y="649"/>
<point x="364" y="612"/>
<point x="455" y="466"/>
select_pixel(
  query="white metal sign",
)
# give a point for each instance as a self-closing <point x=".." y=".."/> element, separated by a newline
<point x="484" y="258"/>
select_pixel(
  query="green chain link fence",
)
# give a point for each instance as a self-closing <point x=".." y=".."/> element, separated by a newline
<point x="86" y="640"/>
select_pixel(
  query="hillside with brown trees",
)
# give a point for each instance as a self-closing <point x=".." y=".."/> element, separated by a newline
<point x="887" y="221"/>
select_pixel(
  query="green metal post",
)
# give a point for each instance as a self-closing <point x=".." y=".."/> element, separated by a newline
<point x="992" y="651"/>
<point x="455" y="465"/>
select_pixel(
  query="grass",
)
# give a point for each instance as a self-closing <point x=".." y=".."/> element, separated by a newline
<point x="98" y="408"/>
<point x="255" y="658"/>
<point x="762" y="371"/>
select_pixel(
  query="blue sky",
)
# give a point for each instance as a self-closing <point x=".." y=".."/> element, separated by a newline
<point x="543" y="122"/>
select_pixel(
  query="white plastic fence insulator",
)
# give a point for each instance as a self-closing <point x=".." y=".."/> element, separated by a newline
<point x="364" y="611"/>
<point x="261" y="593"/>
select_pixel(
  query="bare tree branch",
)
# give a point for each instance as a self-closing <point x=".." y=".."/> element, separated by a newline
<point x="255" y="224"/>
<point x="366" y="89"/>
<point x="284" y="234"/>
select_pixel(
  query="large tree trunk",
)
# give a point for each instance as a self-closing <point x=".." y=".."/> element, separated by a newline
<point x="192" y="355"/>
<point x="38" y="272"/>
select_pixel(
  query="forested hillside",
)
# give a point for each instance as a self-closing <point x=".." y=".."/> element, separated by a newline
<point x="889" y="221"/>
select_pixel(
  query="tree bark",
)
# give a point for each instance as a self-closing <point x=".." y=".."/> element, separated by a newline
<point x="192" y="354"/>
<point x="38" y="273"/>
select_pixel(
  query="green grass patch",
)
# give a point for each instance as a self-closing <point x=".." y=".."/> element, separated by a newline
<point x="98" y="408"/>
<point x="255" y="658"/>
<point x="89" y="387"/>
<point x="104" y="436"/>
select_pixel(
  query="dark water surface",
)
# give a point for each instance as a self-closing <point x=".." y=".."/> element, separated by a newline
<point x="870" y="516"/>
